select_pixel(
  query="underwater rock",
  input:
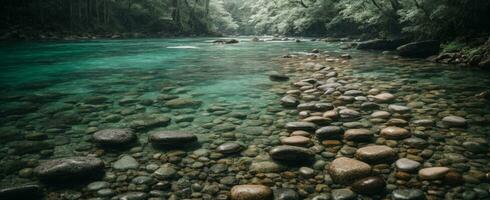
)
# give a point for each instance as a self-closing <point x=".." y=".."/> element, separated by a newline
<point x="285" y="194"/>
<point x="132" y="196"/>
<point x="145" y="122"/>
<point x="114" y="137"/>
<point x="289" y="101"/>
<point x="251" y="192"/>
<point x="369" y="186"/>
<point x="346" y="170"/>
<point x="454" y="121"/>
<point x="226" y="41"/>
<point x="408" y="194"/>
<point x="433" y="173"/>
<point x="296" y="141"/>
<point x="266" y="167"/>
<point x="301" y="126"/>
<point x="172" y="138"/>
<point x="291" y="153"/>
<point x="26" y="147"/>
<point x="276" y="76"/>
<point x="399" y="109"/>
<point x="358" y="135"/>
<point x="394" y="133"/>
<point x="329" y="132"/>
<point x="126" y="162"/>
<point x="22" y="192"/>
<point x="74" y="168"/>
<point x="183" y="103"/>
<point x="407" y="165"/>
<point x="420" y="49"/>
<point x="229" y="148"/>
<point x="376" y="154"/>
<point x="384" y="98"/>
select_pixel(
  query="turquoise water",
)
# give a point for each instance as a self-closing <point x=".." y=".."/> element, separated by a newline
<point x="56" y="94"/>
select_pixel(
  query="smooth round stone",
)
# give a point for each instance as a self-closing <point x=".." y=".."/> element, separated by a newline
<point x="296" y="141"/>
<point x="346" y="170"/>
<point x="415" y="142"/>
<point x="318" y="120"/>
<point x="291" y="153"/>
<point x="376" y="154"/>
<point x="165" y="172"/>
<point x="19" y="192"/>
<point x="172" y="138"/>
<point x="395" y="133"/>
<point x="125" y="163"/>
<point x="229" y="148"/>
<point x="358" y="135"/>
<point x="301" y="126"/>
<point x="114" y="137"/>
<point x="399" y="109"/>
<point x="381" y="115"/>
<point x="306" y="172"/>
<point x="384" y="97"/>
<point x="98" y="185"/>
<point x="74" y="168"/>
<point x="454" y="121"/>
<point x="132" y="196"/>
<point x="407" y="165"/>
<point x="343" y="194"/>
<point x="408" y="194"/>
<point x="300" y="133"/>
<point x="475" y="147"/>
<point x="285" y="194"/>
<point x="251" y="192"/>
<point x="348" y="113"/>
<point x="266" y="167"/>
<point x="332" y="114"/>
<point x="433" y="173"/>
<point x="423" y="122"/>
<point x="369" y="185"/>
<point x="289" y="101"/>
<point x="329" y="132"/>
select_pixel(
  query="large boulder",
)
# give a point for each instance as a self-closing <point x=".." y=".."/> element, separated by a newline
<point x="347" y="170"/>
<point x="171" y="138"/>
<point x="380" y="44"/>
<point x="74" y="168"/>
<point x="420" y="49"/>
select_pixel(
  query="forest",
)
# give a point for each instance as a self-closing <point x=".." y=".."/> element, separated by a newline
<point x="426" y="19"/>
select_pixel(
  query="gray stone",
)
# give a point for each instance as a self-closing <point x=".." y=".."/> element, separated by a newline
<point x="454" y="121"/>
<point x="399" y="109"/>
<point x="20" y="192"/>
<point x="376" y="154"/>
<point x="285" y="194"/>
<point x="131" y="196"/>
<point x="358" y="135"/>
<point x="171" y="138"/>
<point x="407" y="165"/>
<point x="416" y="142"/>
<point x="301" y="126"/>
<point x="408" y="194"/>
<point x="229" y="148"/>
<point x="289" y="101"/>
<point x="328" y="132"/>
<point x="114" y="137"/>
<point x="74" y="168"/>
<point x="125" y="163"/>
<point x="343" y="194"/>
<point x="266" y="167"/>
<point x="94" y="186"/>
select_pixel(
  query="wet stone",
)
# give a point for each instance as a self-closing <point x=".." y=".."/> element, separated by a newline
<point x="291" y="153"/>
<point x="369" y="185"/>
<point x="408" y="194"/>
<point x="415" y="142"/>
<point x="74" y="168"/>
<point x="296" y="141"/>
<point x="384" y="98"/>
<point x="229" y="148"/>
<point x="275" y="76"/>
<point x="475" y="147"/>
<point x="98" y="185"/>
<point x="125" y="163"/>
<point x="346" y="170"/>
<point x="149" y="122"/>
<point x="399" y="109"/>
<point x="183" y="103"/>
<point x="343" y="194"/>
<point x="165" y="172"/>
<point x="289" y="101"/>
<point x="318" y="120"/>
<point x="329" y="132"/>
<point x="454" y="121"/>
<point x="266" y="167"/>
<point x="172" y="138"/>
<point x="251" y="192"/>
<point x="306" y="172"/>
<point x="381" y="114"/>
<point x="28" y="191"/>
<point x="433" y="173"/>
<point x="114" y="137"/>
<point x="285" y="194"/>
<point x="301" y="126"/>
<point x="132" y="196"/>
<point x="376" y="154"/>
<point x="407" y="165"/>
<point x="358" y="135"/>
<point x="395" y="133"/>
<point x="348" y="114"/>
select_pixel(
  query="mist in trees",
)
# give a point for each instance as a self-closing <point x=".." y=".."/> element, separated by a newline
<point x="439" y="19"/>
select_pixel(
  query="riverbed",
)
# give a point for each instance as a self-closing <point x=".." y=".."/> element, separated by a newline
<point x="58" y="95"/>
